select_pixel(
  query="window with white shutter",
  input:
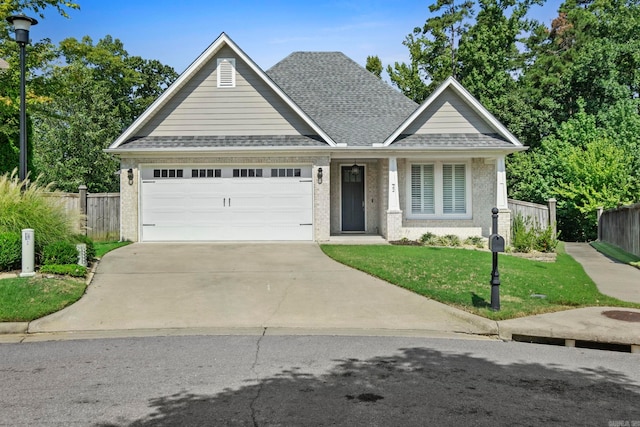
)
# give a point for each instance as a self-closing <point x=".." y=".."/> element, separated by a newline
<point x="439" y="190"/>
<point x="454" y="189"/>
<point x="226" y="72"/>
<point x="422" y="189"/>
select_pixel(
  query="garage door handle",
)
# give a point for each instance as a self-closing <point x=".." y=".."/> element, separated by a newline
<point x="307" y="224"/>
<point x="229" y="201"/>
<point x="148" y="225"/>
<point x="224" y="202"/>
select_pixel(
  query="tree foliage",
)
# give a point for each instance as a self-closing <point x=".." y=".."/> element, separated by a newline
<point x="94" y="95"/>
<point x="374" y="66"/>
<point x="432" y="49"/>
<point x="569" y="89"/>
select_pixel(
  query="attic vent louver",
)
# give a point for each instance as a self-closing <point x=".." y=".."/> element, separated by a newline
<point x="226" y="72"/>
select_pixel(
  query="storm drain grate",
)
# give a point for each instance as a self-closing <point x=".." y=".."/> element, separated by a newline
<point x="624" y="348"/>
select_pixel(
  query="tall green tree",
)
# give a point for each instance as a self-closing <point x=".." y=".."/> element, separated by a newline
<point x="432" y="49"/>
<point x="96" y="92"/>
<point x="489" y="59"/>
<point x="38" y="55"/>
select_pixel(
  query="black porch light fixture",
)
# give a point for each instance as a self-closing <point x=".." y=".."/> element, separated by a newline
<point x="130" y="176"/>
<point x="21" y="25"/>
<point x="355" y="169"/>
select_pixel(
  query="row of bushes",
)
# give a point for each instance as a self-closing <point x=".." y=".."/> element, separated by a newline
<point x="449" y="240"/>
<point x="526" y="236"/>
<point x="61" y="252"/>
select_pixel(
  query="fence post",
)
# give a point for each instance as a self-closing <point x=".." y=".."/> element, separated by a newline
<point x="599" y="215"/>
<point x="552" y="217"/>
<point x="82" y="189"/>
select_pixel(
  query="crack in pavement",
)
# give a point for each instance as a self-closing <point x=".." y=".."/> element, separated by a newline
<point x="260" y="385"/>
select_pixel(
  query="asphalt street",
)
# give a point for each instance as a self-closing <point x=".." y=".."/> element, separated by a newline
<point x="266" y="380"/>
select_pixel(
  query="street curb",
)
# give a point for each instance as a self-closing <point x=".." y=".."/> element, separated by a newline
<point x="7" y="328"/>
<point x="486" y="326"/>
<point x="583" y="327"/>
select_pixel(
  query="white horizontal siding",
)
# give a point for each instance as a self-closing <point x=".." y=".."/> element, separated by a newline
<point x="249" y="108"/>
<point x="449" y="114"/>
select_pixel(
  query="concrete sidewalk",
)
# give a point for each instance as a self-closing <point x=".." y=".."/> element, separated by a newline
<point x="612" y="278"/>
<point x="591" y="325"/>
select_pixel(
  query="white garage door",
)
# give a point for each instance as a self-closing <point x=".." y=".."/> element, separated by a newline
<point x="200" y="203"/>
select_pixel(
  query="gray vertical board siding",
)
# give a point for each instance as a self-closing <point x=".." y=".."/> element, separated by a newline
<point x="449" y="114"/>
<point x="201" y="108"/>
<point x="621" y="227"/>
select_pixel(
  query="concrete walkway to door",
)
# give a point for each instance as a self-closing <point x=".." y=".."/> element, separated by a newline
<point x="253" y="285"/>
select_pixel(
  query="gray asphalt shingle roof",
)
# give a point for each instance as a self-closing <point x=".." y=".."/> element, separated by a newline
<point x="451" y="140"/>
<point x="148" y="142"/>
<point x="348" y="102"/>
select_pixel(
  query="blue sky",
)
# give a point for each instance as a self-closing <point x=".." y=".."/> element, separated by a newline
<point x="176" y="32"/>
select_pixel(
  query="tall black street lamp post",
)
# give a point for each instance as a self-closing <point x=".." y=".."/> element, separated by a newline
<point x="21" y="25"/>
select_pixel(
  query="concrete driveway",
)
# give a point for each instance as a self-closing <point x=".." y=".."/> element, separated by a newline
<point x="290" y="286"/>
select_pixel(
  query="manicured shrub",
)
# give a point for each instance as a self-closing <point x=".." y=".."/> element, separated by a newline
<point x="60" y="253"/>
<point x="476" y="241"/>
<point x="10" y="250"/>
<point x="91" y="250"/>
<point x="450" y="240"/>
<point x="527" y="236"/>
<point x="429" y="239"/>
<point x="73" y="270"/>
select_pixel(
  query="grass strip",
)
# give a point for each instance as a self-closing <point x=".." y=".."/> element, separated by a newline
<point x="104" y="247"/>
<point x="460" y="278"/>
<point x="29" y="298"/>
<point x="615" y="252"/>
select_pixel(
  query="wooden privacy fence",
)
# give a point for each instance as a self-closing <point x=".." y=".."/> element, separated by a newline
<point x="100" y="212"/>
<point x="621" y="227"/>
<point x="541" y="215"/>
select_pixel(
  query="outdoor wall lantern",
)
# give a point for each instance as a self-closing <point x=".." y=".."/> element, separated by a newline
<point x="355" y="170"/>
<point x="319" y="175"/>
<point x="130" y="176"/>
<point x="21" y="25"/>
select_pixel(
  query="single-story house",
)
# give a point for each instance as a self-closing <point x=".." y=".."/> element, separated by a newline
<point x="314" y="147"/>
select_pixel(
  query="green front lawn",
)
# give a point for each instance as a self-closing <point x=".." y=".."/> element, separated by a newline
<point x="460" y="278"/>
<point x="25" y="299"/>
<point x="28" y="298"/>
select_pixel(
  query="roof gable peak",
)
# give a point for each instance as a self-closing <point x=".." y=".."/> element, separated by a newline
<point x="208" y="54"/>
<point x="470" y="100"/>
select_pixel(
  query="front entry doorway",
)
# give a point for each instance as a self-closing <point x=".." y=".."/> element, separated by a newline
<point x="353" y="198"/>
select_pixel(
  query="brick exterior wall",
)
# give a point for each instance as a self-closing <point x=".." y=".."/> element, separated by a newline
<point x="327" y="203"/>
<point x="129" y="194"/>
<point x="483" y="198"/>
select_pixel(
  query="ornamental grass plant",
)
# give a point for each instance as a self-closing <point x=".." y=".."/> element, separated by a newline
<point x="27" y="204"/>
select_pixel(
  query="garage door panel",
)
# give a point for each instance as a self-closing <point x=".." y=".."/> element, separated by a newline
<point x="227" y="209"/>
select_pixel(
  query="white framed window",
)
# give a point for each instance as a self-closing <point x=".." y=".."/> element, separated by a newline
<point x="439" y="190"/>
<point x="226" y="68"/>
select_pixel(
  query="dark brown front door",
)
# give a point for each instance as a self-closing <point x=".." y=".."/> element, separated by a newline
<point x="353" y="198"/>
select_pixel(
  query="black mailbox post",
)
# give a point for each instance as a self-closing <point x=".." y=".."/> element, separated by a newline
<point x="496" y="244"/>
